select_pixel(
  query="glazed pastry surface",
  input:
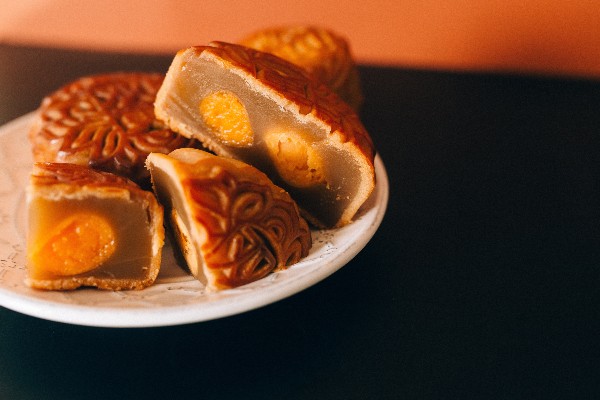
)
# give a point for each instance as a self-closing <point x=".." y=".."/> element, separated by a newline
<point x="322" y="53"/>
<point x="285" y="123"/>
<point x="232" y="224"/>
<point x="105" y="122"/>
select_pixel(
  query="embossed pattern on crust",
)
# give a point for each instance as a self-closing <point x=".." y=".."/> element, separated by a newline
<point x="292" y="115"/>
<point x="246" y="227"/>
<point x="296" y="85"/>
<point x="321" y="52"/>
<point x="106" y="122"/>
<point x="251" y="232"/>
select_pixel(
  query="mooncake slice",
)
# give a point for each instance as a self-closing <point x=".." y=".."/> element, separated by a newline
<point x="90" y="228"/>
<point x="232" y="224"/>
<point x="321" y="52"/>
<point x="105" y="122"/>
<point x="265" y="111"/>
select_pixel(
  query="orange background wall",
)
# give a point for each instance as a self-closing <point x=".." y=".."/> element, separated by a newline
<point x="537" y="36"/>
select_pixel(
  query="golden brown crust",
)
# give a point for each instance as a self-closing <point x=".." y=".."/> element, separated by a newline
<point x="61" y="180"/>
<point x="292" y="92"/>
<point x="75" y="282"/>
<point x="76" y="177"/>
<point x="311" y="96"/>
<point x="242" y="225"/>
<point x="105" y="122"/>
<point x="321" y="52"/>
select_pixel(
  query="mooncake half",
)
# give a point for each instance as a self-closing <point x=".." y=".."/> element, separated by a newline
<point x="105" y="122"/>
<point x="232" y="224"/>
<point x="90" y="228"/>
<point x="265" y="111"/>
<point x="321" y="52"/>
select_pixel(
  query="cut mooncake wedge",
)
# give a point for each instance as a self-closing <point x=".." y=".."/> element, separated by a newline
<point x="265" y="111"/>
<point x="321" y="52"/>
<point x="232" y="224"/>
<point x="90" y="228"/>
<point x="105" y="122"/>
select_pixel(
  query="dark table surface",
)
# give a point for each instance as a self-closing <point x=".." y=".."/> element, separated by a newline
<point x="480" y="283"/>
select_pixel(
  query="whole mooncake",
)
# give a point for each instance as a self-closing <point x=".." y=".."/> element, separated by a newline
<point x="90" y="228"/>
<point x="265" y="111"/>
<point x="232" y="224"/>
<point x="105" y="122"/>
<point x="321" y="52"/>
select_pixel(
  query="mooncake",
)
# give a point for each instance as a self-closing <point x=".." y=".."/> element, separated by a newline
<point x="258" y="108"/>
<point x="90" y="228"/>
<point x="232" y="224"/>
<point x="323" y="53"/>
<point x="105" y="122"/>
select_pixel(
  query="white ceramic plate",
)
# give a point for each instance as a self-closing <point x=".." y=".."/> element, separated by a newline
<point x="175" y="298"/>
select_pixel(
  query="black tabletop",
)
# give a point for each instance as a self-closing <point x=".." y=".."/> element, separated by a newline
<point x="480" y="283"/>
